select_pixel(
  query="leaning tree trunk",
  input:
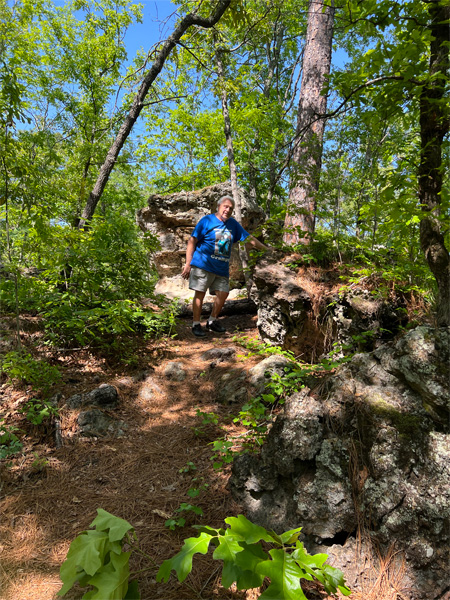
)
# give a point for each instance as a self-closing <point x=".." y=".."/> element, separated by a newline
<point x="434" y="124"/>
<point x="138" y="104"/>
<point x="231" y="162"/>
<point x="307" y="153"/>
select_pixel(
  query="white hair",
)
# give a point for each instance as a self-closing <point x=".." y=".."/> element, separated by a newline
<point x="223" y="200"/>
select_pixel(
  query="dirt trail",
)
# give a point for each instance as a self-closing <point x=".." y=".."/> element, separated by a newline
<point x="50" y="496"/>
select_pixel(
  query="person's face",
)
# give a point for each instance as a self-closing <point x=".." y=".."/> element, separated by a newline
<point x="225" y="210"/>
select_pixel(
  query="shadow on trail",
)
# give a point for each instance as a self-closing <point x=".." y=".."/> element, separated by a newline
<point x="142" y="477"/>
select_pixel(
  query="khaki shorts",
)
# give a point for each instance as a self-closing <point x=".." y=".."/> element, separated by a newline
<point x="200" y="281"/>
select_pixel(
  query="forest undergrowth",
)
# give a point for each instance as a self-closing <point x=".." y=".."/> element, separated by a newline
<point x="164" y="469"/>
<point x="74" y="263"/>
<point x="166" y="473"/>
<point x="50" y="494"/>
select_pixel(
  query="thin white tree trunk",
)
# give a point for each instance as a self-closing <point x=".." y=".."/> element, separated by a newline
<point x="231" y="162"/>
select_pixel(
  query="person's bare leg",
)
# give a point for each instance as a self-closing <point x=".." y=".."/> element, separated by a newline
<point x="197" y="304"/>
<point x="219" y="301"/>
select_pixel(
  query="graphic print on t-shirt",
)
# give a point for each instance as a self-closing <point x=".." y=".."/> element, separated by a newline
<point x="223" y="243"/>
<point x="214" y="242"/>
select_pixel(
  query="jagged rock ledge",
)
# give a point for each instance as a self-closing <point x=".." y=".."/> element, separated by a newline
<point x="366" y="454"/>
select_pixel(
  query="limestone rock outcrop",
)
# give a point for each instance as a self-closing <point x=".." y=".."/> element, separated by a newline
<point x="261" y="374"/>
<point x="172" y="218"/>
<point x="282" y="304"/>
<point x="368" y="452"/>
<point x="96" y="423"/>
<point x="354" y="320"/>
<point x="105" y="396"/>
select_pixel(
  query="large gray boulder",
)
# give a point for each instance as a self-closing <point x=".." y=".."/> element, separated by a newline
<point x="283" y="305"/>
<point x="172" y="218"/>
<point x="291" y="317"/>
<point x="96" y="423"/>
<point x="366" y="453"/>
<point x="361" y="320"/>
<point x="105" y="396"/>
<point x="261" y="374"/>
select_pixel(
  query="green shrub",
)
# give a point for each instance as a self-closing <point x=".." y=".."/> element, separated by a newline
<point x="9" y="442"/>
<point x="96" y="558"/>
<point x="23" y="368"/>
<point x="247" y="564"/>
<point x="38" y="411"/>
<point x="107" y="262"/>
<point x="90" y="283"/>
<point x="105" y="325"/>
<point x="30" y="292"/>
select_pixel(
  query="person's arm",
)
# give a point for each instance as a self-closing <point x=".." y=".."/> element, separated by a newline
<point x="254" y="243"/>
<point x="192" y="242"/>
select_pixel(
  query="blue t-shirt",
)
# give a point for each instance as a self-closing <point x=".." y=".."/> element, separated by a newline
<point x="214" y="241"/>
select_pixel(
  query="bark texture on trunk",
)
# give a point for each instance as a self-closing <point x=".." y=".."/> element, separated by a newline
<point x="434" y="124"/>
<point x="307" y="154"/>
<point x="138" y="103"/>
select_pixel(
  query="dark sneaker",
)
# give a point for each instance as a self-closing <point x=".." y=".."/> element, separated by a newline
<point x="215" y="326"/>
<point x="198" y="330"/>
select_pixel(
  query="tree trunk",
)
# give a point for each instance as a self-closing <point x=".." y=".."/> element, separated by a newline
<point x="273" y="59"/>
<point x="138" y="103"/>
<point x="230" y="152"/>
<point x="11" y="266"/>
<point x="434" y="124"/>
<point x="307" y="154"/>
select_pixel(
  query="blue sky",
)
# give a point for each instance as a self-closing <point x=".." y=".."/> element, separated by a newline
<point x="159" y="17"/>
<point x="157" y="25"/>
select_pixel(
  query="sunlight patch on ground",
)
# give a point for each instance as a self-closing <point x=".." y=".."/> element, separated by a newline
<point x="30" y="585"/>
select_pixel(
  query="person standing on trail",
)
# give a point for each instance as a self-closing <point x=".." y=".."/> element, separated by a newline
<point x="208" y="261"/>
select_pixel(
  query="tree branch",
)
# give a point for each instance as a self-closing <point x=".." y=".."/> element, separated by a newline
<point x="196" y="57"/>
<point x="163" y="100"/>
<point x="124" y="131"/>
<point x="368" y="84"/>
